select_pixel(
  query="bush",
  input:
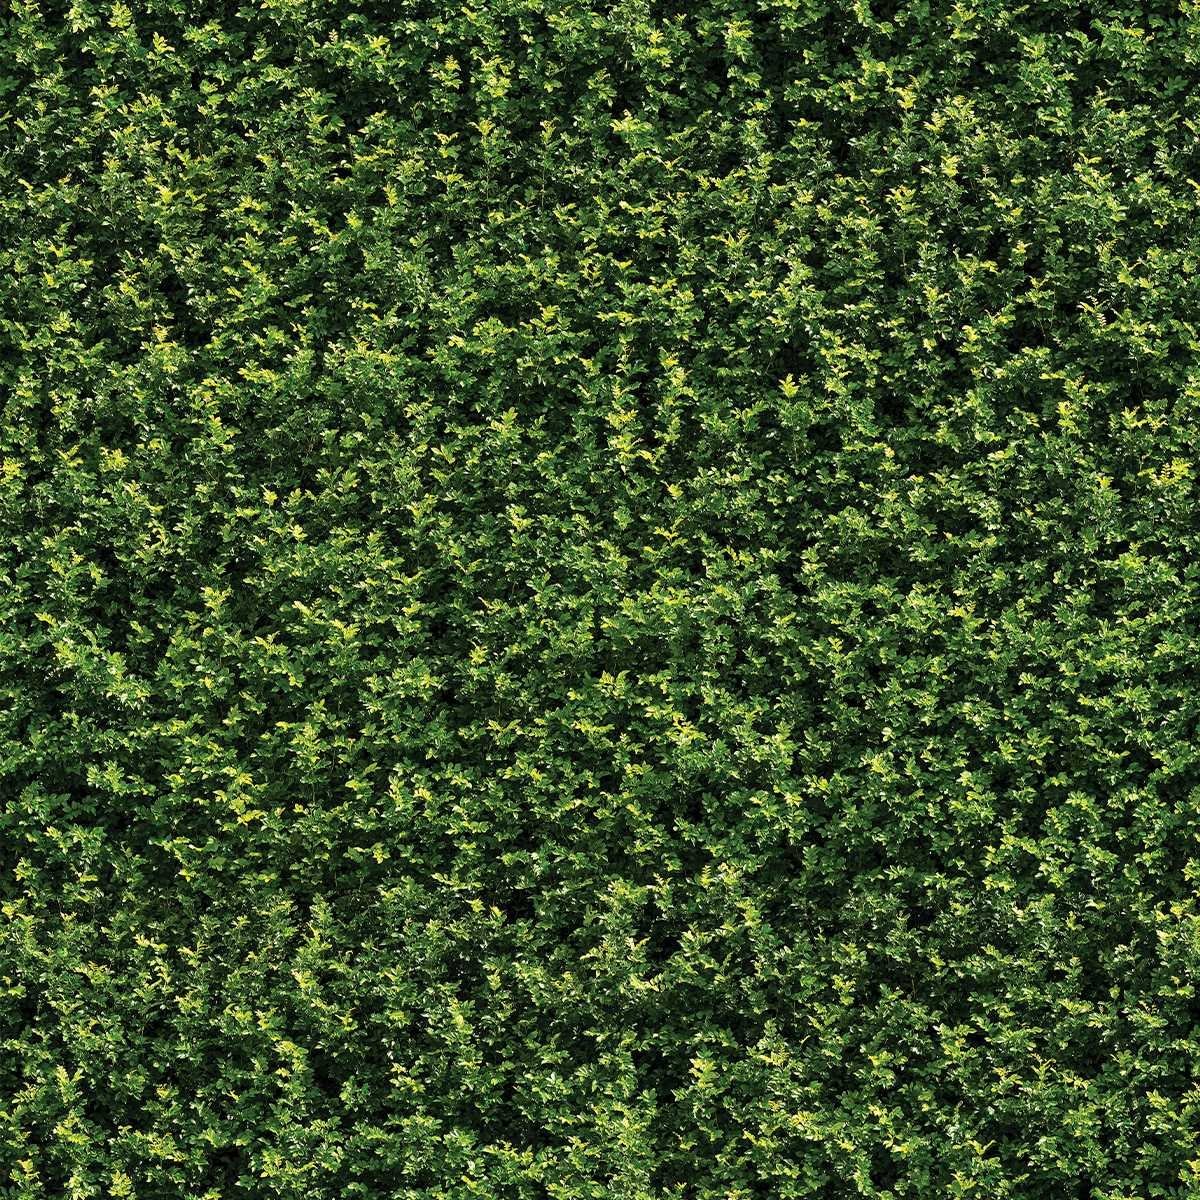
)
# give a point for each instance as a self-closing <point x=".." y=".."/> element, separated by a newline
<point x="599" y="601"/>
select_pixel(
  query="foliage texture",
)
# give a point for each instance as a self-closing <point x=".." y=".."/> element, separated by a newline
<point x="599" y="600"/>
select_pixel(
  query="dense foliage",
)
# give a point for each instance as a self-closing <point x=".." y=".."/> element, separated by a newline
<point x="599" y="601"/>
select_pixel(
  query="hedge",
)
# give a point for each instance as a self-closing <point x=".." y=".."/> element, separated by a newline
<point x="599" y="600"/>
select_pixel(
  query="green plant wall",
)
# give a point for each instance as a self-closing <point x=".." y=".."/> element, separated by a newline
<point x="599" y="602"/>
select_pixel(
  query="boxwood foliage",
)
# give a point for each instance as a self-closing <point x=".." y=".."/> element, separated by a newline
<point x="599" y="600"/>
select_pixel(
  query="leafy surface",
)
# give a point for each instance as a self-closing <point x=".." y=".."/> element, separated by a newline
<point x="599" y="601"/>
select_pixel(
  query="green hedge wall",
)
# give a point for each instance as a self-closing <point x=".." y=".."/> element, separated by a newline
<point x="599" y="601"/>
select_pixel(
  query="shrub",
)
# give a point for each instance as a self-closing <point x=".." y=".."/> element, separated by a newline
<point x="599" y="601"/>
